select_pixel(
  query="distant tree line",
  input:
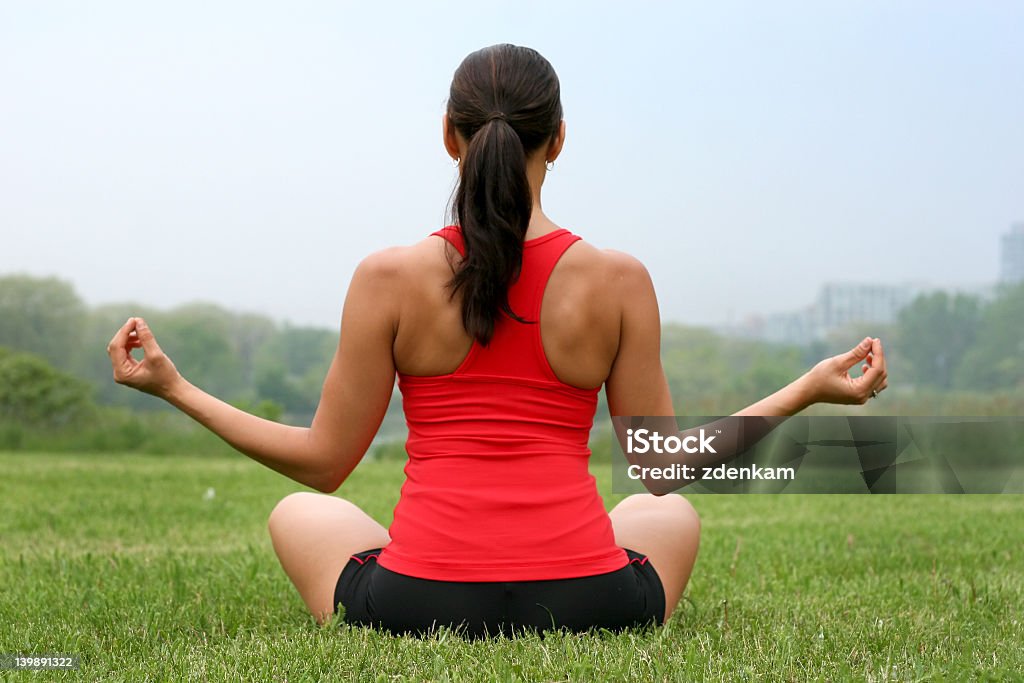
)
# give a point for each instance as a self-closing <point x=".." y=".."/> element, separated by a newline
<point x="959" y="342"/>
<point x="54" y="370"/>
<point x="947" y="354"/>
<point x="243" y="358"/>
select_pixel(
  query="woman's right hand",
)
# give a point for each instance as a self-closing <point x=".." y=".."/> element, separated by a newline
<point x="155" y="373"/>
<point x="829" y="381"/>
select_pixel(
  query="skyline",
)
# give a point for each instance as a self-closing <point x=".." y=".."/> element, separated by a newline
<point x="250" y="157"/>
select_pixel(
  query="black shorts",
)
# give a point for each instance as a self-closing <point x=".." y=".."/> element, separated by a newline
<point x="378" y="597"/>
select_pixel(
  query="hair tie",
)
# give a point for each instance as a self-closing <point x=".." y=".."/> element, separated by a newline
<point x="496" y="115"/>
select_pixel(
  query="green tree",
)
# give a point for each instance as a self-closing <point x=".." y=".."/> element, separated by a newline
<point x="200" y="339"/>
<point x="290" y="368"/>
<point x="996" y="359"/>
<point x="306" y="350"/>
<point x="932" y="335"/>
<point x="35" y="394"/>
<point x="769" y="369"/>
<point x="42" y="316"/>
<point x="697" y="369"/>
<point x="274" y="384"/>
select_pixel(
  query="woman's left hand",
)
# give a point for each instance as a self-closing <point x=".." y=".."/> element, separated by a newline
<point x="155" y="373"/>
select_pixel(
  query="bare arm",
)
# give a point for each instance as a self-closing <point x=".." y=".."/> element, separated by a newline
<point x="637" y="385"/>
<point x="355" y="393"/>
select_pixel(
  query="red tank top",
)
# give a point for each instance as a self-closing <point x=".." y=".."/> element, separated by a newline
<point x="497" y="486"/>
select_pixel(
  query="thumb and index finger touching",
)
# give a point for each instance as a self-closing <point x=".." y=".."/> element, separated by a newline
<point x="119" y="346"/>
<point x="875" y="366"/>
<point x="857" y="353"/>
<point x="861" y="351"/>
<point x="145" y="336"/>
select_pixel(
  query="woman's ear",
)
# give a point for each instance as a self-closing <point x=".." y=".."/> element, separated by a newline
<point x="451" y="143"/>
<point x="556" y="145"/>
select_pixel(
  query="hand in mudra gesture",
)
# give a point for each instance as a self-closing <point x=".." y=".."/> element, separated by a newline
<point x="155" y="373"/>
<point x="831" y="382"/>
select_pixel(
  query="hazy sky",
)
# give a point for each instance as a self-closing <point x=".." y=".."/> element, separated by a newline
<point x="250" y="154"/>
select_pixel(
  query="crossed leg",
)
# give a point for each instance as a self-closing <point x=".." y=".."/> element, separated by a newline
<point x="667" y="530"/>
<point x="314" y="535"/>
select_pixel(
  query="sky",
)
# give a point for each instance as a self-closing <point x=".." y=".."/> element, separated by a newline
<point x="251" y="154"/>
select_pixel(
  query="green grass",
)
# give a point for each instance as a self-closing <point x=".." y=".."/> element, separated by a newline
<point x="121" y="560"/>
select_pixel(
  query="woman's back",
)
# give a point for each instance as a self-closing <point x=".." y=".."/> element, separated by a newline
<point x="579" y="323"/>
<point x="497" y="483"/>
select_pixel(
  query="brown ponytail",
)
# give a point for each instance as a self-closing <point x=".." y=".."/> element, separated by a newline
<point x="505" y="101"/>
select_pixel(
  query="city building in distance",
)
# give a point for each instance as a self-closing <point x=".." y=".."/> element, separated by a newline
<point x="836" y="305"/>
<point x="1011" y="259"/>
<point x="844" y="303"/>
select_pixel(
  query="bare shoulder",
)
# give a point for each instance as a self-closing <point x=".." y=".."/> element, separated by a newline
<point x="403" y="280"/>
<point x="616" y="269"/>
<point x="626" y="268"/>
<point x="384" y="263"/>
<point x="393" y="263"/>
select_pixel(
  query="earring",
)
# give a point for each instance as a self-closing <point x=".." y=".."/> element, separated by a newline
<point x="455" y="161"/>
<point x="550" y="165"/>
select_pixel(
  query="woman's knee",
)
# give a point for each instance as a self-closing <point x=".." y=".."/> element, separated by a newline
<point x="305" y="514"/>
<point x="306" y="505"/>
<point x="286" y="507"/>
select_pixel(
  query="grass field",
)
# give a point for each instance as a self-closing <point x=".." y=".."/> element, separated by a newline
<point x="128" y="562"/>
